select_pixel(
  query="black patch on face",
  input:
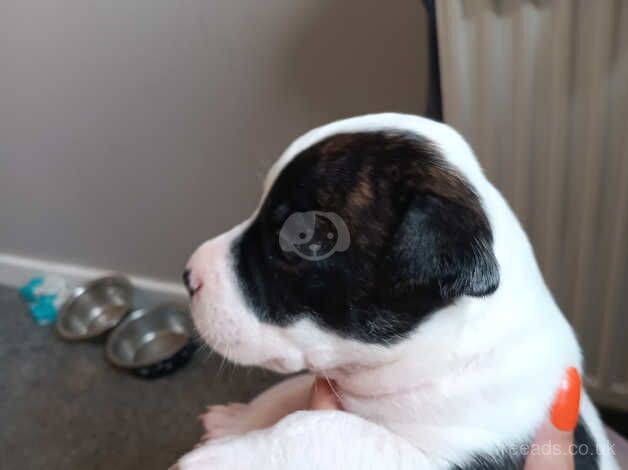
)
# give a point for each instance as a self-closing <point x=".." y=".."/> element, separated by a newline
<point x="585" y="458"/>
<point x="419" y="238"/>
<point x="314" y="235"/>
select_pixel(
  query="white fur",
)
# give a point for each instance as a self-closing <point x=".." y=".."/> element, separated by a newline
<point x="478" y="375"/>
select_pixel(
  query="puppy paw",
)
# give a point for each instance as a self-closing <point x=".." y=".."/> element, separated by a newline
<point x="224" y="420"/>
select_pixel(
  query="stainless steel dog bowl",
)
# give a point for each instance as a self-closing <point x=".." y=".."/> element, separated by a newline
<point x="95" y="308"/>
<point x="152" y="342"/>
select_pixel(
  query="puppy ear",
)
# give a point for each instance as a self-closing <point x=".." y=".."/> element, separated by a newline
<point x="441" y="249"/>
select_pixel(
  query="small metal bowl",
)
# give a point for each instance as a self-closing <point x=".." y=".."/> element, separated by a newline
<point x="152" y="342"/>
<point x="95" y="308"/>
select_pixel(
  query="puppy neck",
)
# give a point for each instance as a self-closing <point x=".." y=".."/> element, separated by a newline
<point x="459" y="340"/>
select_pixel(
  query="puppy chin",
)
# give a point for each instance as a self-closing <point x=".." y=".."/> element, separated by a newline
<point x="250" y="357"/>
<point x="245" y="343"/>
<point x="283" y="365"/>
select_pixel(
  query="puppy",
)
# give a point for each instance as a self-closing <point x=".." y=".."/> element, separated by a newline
<point x="381" y="258"/>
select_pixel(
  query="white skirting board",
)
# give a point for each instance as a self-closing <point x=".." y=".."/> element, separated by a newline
<point x="16" y="270"/>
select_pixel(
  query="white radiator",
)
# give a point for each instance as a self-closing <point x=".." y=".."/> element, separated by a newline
<point x="540" y="89"/>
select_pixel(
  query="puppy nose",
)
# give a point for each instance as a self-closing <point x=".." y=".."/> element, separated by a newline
<point x="189" y="282"/>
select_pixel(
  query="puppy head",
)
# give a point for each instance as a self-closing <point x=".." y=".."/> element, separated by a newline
<point x="366" y="227"/>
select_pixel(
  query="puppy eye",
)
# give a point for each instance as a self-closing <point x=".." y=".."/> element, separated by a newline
<point x="280" y="214"/>
<point x="302" y="235"/>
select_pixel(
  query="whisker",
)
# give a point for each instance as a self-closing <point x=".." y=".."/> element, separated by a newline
<point x="329" y="382"/>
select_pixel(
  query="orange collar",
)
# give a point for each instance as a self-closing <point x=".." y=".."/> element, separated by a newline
<point x="566" y="405"/>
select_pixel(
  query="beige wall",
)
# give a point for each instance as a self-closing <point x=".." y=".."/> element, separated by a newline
<point x="132" y="130"/>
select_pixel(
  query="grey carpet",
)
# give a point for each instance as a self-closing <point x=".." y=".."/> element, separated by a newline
<point x="62" y="406"/>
